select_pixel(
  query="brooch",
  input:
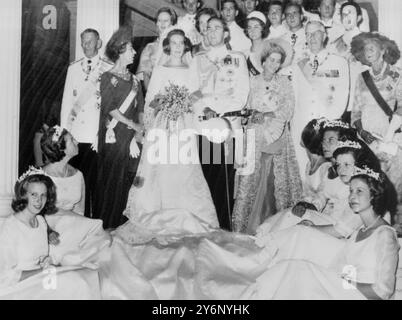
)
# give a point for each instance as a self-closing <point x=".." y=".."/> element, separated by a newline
<point x="114" y="81"/>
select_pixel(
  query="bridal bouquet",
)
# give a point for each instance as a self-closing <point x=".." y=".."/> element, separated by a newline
<point x="175" y="102"/>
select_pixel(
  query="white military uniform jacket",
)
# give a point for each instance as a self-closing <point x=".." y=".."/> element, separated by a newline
<point x="224" y="80"/>
<point x="238" y="39"/>
<point x="323" y="93"/>
<point x="81" y="98"/>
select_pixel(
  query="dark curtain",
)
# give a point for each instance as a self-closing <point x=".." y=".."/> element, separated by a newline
<point x="44" y="63"/>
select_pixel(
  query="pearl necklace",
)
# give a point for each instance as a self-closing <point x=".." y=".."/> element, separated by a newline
<point x="364" y="229"/>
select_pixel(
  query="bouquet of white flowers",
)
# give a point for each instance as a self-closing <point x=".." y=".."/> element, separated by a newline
<point x="175" y="102"/>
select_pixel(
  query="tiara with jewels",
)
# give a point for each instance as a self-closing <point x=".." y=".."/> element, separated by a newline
<point x="348" y="144"/>
<point x="367" y="171"/>
<point x="31" y="171"/>
<point x="317" y="126"/>
<point x="336" y="123"/>
<point x="57" y="133"/>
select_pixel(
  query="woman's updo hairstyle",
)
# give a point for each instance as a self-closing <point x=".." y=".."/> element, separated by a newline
<point x="53" y="143"/>
<point x="311" y="137"/>
<point x="166" y="41"/>
<point x="117" y="44"/>
<point x="169" y="11"/>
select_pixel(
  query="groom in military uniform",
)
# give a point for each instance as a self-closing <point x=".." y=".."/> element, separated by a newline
<point x="80" y="107"/>
<point x="224" y="81"/>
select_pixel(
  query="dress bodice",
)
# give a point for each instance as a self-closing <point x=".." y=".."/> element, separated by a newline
<point x="366" y="108"/>
<point x="313" y="181"/>
<point x="21" y="247"/>
<point x="69" y="190"/>
<point x="277" y="97"/>
<point x="332" y="199"/>
<point x="373" y="260"/>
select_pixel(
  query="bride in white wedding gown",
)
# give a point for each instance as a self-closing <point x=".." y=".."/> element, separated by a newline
<point x="170" y="194"/>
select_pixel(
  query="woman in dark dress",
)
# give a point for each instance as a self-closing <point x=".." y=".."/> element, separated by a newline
<point x="119" y="127"/>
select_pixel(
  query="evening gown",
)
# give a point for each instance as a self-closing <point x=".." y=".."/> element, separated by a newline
<point x="116" y="168"/>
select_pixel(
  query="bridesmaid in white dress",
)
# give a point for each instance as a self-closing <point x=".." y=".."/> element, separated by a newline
<point x="329" y="210"/>
<point x="169" y="196"/>
<point x="26" y="270"/>
<point x="328" y="133"/>
<point x="59" y="146"/>
<point x="364" y="269"/>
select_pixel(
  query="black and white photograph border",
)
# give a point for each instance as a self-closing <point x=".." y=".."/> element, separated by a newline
<point x="142" y="162"/>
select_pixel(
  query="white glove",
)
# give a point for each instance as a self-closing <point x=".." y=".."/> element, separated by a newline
<point x="134" y="149"/>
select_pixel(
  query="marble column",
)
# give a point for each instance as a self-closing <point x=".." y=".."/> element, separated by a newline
<point x="389" y="20"/>
<point x="10" y="65"/>
<point x="102" y="15"/>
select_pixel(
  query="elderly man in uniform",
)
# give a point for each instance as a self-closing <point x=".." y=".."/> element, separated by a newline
<point x="80" y="107"/>
<point x="238" y="40"/>
<point x="322" y="86"/>
<point x="225" y="86"/>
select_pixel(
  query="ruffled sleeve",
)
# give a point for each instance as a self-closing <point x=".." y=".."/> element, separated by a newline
<point x="386" y="250"/>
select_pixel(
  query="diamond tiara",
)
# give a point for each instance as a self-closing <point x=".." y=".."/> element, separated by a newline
<point x="367" y="171"/>
<point x="336" y="123"/>
<point x="31" y="171"/>
<point x="348" y="144"/>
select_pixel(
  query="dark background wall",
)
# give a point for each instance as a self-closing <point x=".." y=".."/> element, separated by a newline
<point x="44" y="62"/>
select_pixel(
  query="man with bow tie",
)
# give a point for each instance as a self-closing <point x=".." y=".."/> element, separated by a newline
<point x="80" y="107"/>
<point x="322" y="86"/>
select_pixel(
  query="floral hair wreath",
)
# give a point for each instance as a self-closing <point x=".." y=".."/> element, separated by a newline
<point x="30" y="172"/>
<point x="348" y="144"/>
<point x="57" y="133"/>
<point x="368" y="172"/>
